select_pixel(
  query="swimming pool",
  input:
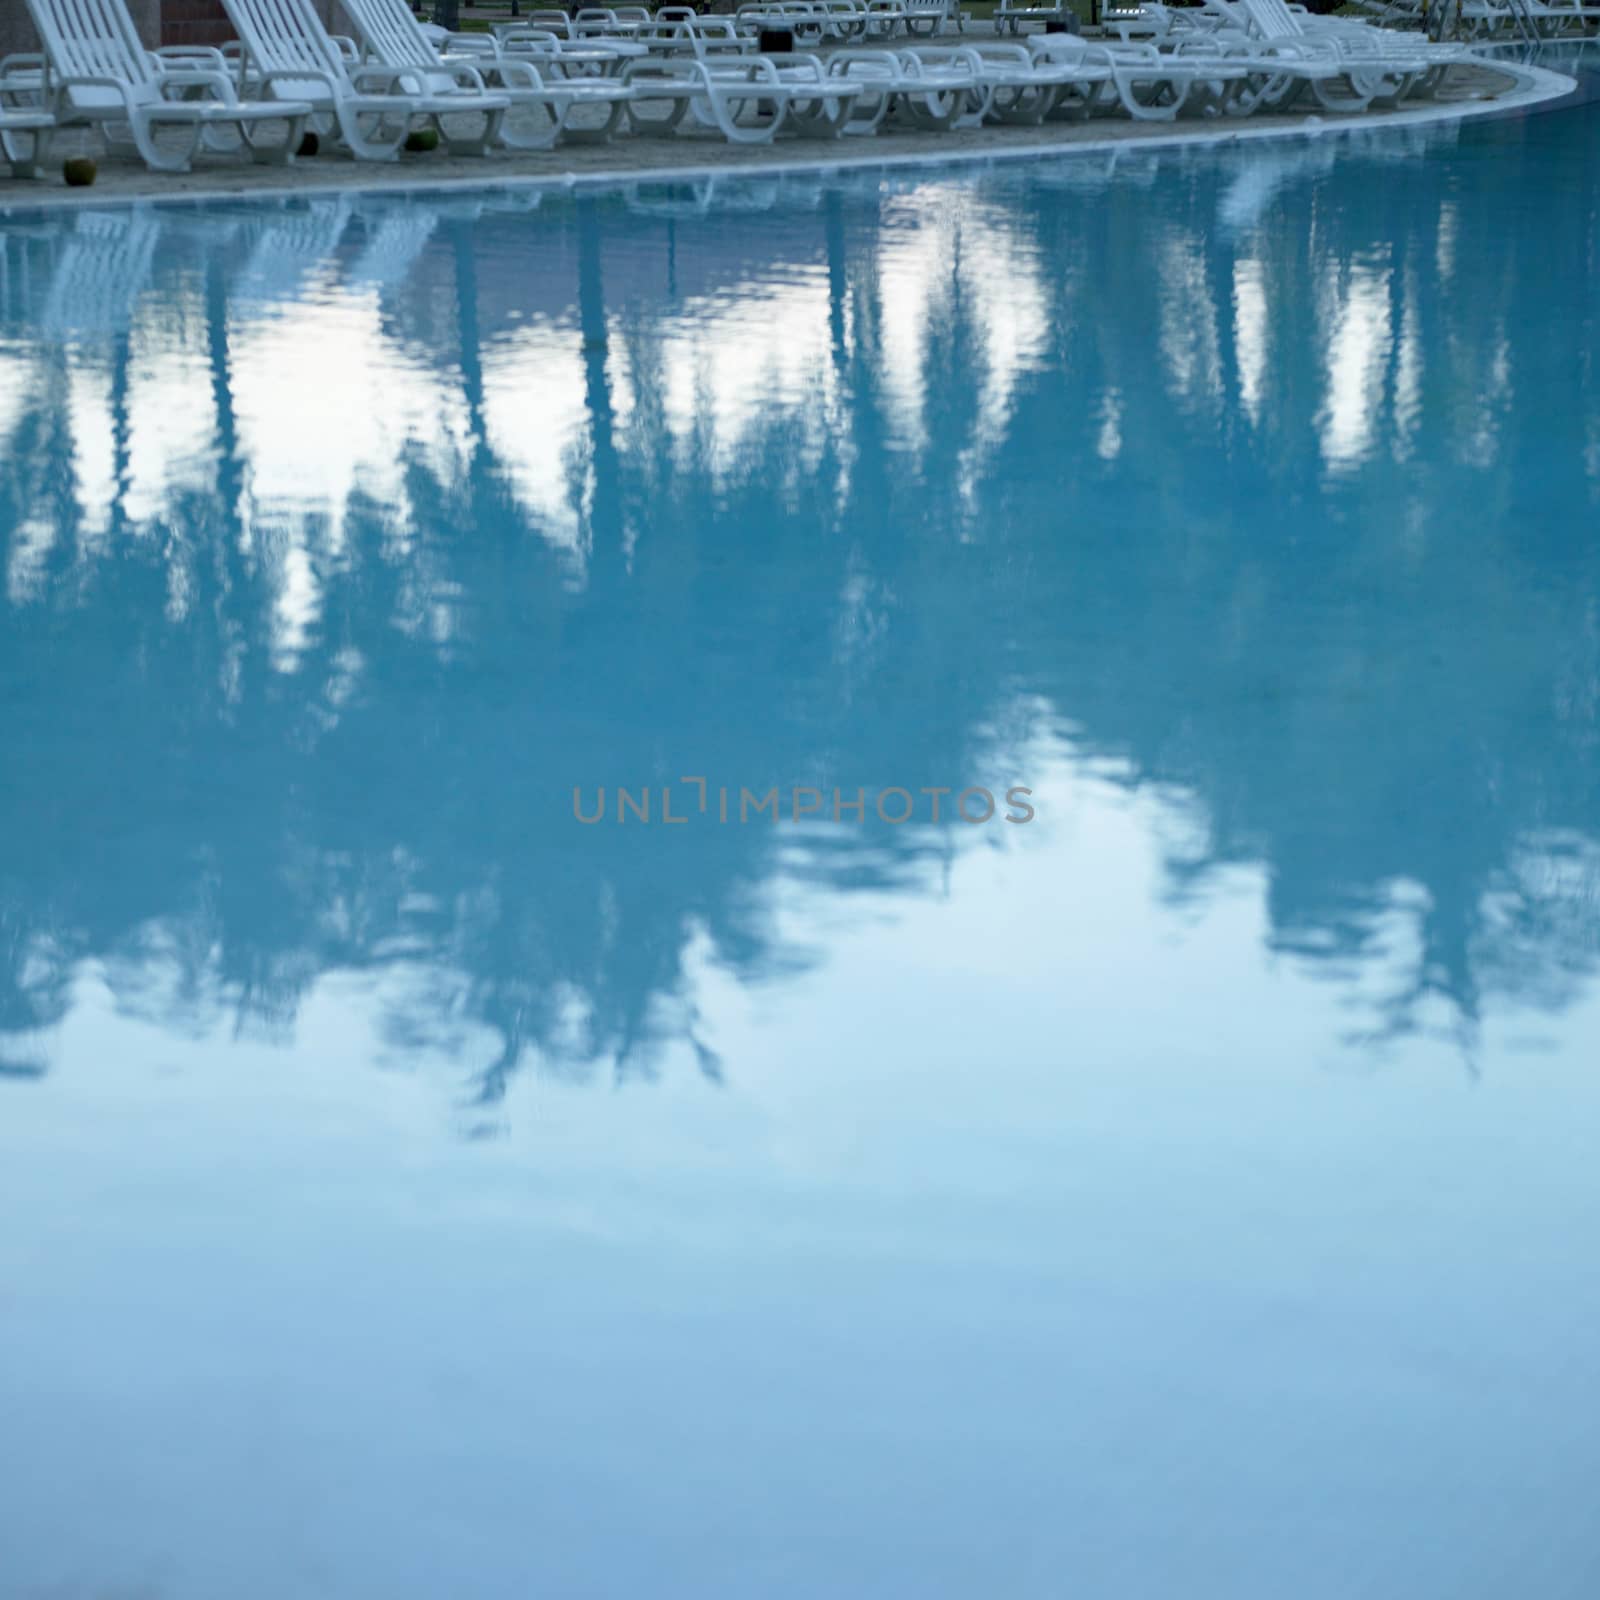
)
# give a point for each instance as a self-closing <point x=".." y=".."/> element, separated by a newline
<point x="412" y="1187"/>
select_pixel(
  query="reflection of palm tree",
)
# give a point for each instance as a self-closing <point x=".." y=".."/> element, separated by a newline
<point x="793" y="599"/>
<point x="608" y="535"/>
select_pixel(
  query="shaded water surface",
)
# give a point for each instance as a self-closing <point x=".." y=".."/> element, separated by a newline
<point x="412" y="1189"/>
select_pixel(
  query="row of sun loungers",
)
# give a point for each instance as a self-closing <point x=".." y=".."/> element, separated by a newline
<point x="592" y="75"/>
<point x="843" y="20"/>
<point x="1526" y="20"/>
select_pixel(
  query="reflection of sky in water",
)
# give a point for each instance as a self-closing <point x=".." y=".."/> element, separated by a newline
<point x="1146" y="1200"/>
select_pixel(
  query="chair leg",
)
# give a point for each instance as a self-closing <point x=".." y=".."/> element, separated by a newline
<point x="480" y="143"/>
<point x="1072" y="104"/>
<point x="823" y="118"/>
<point x="213" y="141"/>
<point x="1275" y="91"/>
<point x="1345" y="97"/>
<point x="547" y="135"/>
<point x="31" y="163"/>
<point x="144" y="128"/>
<point x="869" y="113"/>
<point x="1156" y="109"/>
<point x="975" y="104"/>
<point x="1022" y="106"/>
<point x="725" y="113"/>
<point x="656" y="126"/>
<point x="375" y="146"/>
<point x="596" y="135"/>
<point x="276" y="154"/>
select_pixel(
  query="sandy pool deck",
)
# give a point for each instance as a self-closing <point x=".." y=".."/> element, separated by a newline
<point x="1483" y="90"/>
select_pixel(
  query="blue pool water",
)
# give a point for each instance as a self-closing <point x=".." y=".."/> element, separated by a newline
<point x="408" y="1189"/>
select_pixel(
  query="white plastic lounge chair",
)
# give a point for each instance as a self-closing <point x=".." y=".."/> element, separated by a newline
<point x="1025" y="88"/>
<point x="394" y="38"/>
<point x="25" y="140"/>
<point x="1231" y="73"/>
<point x="1009" y="17"/>
<point x="926" y="19"/>
<point x="613" y="23"/>
<point x="98" y="73"/>
<point x="843" y="19"/>
<point x="1378" y="62"/>
<point x="1151" y="20"/>
<point x="818" y="107"/>
<point x="288" y="53"/>
<point x="1346" y="65"/>
<point x="808" y="23"/>
<point x="591" y="57"/>
<point x="1276" y="22"/>
<point x="547" y="21"/>
<point x="1032" y="86"/>
<point x="823" y="19"/>
<point x="1527" y="20"/>
<point x="783" y="90"/>
<point x="1151" y="85"/>
<point x="573" y="73"/>
<point x="886" y="18"/>
<point x="1289" y="27"/>
<point x="604" y="54"/>
<point x="697" y="36"/>
<point x="934" y="91"/>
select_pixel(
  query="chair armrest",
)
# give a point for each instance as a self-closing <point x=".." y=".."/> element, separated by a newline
<point x="680" y="70"/>
<point x="528" y="35"/>
<point x="268" y="80"/>
<point x="1099" y="55"/>
<point x="180" y="54"/>
<point x="515" y="74"/>
<point x="840" y="62"/>
<point x="23" y="87"/>
<point x="1131" y="52"/>
<point x="387" y="79"/>
<point x="196" y="78"/>
<point x="465" y="74"/>
<point x="64" y="87"/>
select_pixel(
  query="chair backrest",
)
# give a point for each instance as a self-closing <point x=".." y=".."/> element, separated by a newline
<point x="94" y="39"/>
<point x="390" y="31"/>
<point x="549" y="21"/>
<point x="288" y="36"/>
<point x="1273" y="19"/>
<point x="520" y="42"/>
<point x="1059" y="48"/>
